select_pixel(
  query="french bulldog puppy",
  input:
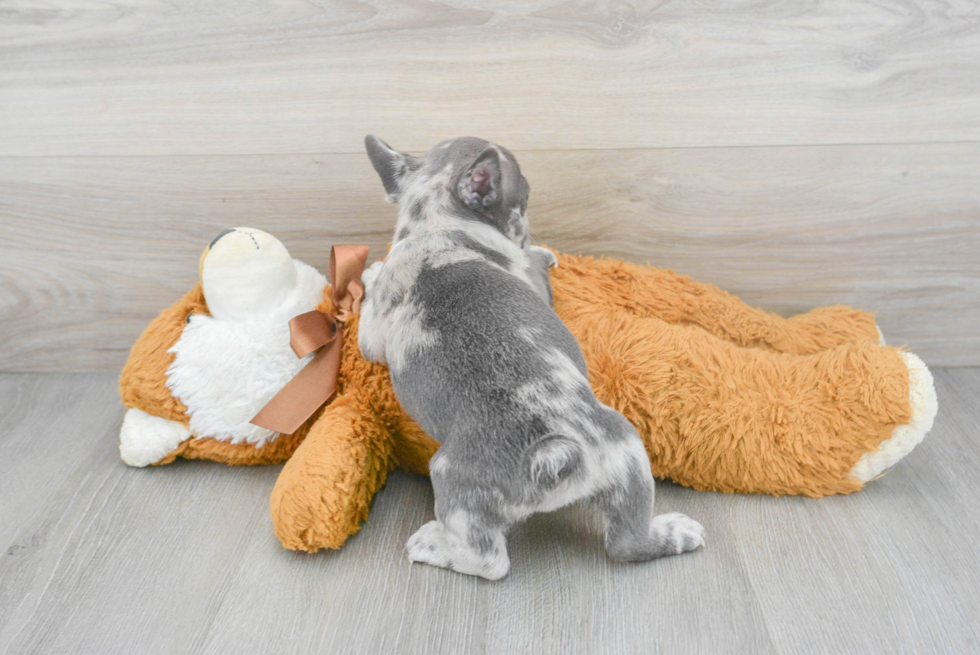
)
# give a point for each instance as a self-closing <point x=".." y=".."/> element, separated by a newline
<point x="461" y="312"/>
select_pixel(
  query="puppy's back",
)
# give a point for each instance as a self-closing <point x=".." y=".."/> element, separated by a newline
<point x="491" y="352"/>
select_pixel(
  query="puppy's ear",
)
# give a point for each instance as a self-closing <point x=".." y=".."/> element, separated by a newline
<point x="479" y="188"/>
<point x="392" y="166"/>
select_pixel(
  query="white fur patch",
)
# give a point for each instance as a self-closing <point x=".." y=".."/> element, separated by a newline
<point x="925" y="405"/>
<point x="558" y="396"/>
<point x="226" y="371"/>
<point x="409" y="338"/>
<point x="391" y="323"/>
<point x="145" y="439"/>
<point x="549" y="460"/>
<point x="681" y="532"/>
<point x="608" y="465"/>
<point x="445" y="545"/>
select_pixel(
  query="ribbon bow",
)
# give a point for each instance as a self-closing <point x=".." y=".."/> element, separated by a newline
<point x="323" y="333"/>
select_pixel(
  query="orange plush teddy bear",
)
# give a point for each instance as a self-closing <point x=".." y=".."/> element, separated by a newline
<point x="726" y="397"/>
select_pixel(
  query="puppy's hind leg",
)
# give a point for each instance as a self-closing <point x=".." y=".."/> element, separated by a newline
<point x="633" y="533"/>
<point x="468" y="535"/>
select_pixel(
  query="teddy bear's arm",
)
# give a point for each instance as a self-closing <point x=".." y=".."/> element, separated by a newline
<point x="325" y="489"/>
<point x="143" y="382"/>
<point x="650" y="292"/>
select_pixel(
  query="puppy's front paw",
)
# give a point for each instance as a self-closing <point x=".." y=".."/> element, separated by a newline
<point x="677" y="532"/>
<point x="546" y="254"/>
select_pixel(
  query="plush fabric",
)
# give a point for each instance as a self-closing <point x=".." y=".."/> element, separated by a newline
<point x="209" y="369"/>
<point x="726" y="397"/>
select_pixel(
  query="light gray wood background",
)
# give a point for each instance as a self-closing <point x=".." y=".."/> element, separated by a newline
<point x="793" y="153"/>
<point x="97" y="557"/>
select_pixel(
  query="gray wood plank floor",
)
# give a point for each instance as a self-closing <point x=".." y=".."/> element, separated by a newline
<point x="100" y="558"/>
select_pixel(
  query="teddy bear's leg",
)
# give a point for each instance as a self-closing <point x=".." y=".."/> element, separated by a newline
<point x="715" y="416"/>
<point x="145" y="439"/>
<point x="325" y="489"/>
<point x="925" y="406"/>
<point x="657" y="293"/>
<point x="242" y="453"/>
<point x="143" y="381"/>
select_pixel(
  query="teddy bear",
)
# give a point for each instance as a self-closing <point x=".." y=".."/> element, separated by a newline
<point x="726" y="397"/>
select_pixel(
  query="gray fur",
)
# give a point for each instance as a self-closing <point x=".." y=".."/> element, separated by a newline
<point x="540" y="261"/>
<point x="390" y="165"/>
<point x="463" y="240"/>
<point x="461" y="311"/>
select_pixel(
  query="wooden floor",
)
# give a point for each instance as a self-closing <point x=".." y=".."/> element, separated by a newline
<point x="101" y="558"/>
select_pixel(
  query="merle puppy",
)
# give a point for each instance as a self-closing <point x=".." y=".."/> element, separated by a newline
<point x="461" y="312"/>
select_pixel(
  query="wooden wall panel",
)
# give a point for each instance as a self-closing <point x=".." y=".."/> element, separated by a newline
<point x="93" y="247"/>
<point x="141" y="77"/>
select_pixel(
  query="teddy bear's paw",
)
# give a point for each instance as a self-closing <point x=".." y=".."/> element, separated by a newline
<point x="145" y="439"/>
<point x="435" y="545"/>
<point x="677" y="532"/>
<point x="925" y="405"/>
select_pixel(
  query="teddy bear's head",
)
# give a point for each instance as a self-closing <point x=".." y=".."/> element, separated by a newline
<point x="228" y="338"/>
<point x="246" y="272"/>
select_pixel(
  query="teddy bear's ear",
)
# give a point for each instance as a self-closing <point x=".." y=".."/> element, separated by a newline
<point x="392" y="166"/>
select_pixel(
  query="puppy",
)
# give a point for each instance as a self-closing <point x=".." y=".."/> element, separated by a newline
<point x="461" y="312"/>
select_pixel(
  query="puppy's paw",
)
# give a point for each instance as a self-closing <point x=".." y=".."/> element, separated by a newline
<point x="433" y="544"/>
<point x="544" y="253"/>
<point x="429" y="546"/>
<point x="677" y="532"/>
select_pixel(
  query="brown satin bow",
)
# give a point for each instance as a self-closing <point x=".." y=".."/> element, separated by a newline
<point x="323" y="333"/>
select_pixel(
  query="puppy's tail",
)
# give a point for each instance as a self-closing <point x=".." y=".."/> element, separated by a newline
<point x="553" y="460"/>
